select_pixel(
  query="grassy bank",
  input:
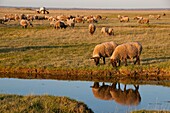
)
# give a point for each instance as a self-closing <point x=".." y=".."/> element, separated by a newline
<point x="151" y="111"/>
<point x="40" y="104"/>
<point x="48" y="49"/>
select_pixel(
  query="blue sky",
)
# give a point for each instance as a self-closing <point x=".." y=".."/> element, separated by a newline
<point x="88" y="3"/>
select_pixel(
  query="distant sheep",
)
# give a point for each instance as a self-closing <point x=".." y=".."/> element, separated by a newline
<point x="79" y="20"/>
<point x="60" y="24"/>
<point x="143" y="21"/>
<point x="124" y="19"/>
<point x="71" y="22"/>
<point x="107" y="30"/>
<point x="92" y="28"/>
<point x="103" y="50"/>
<point x="155" y="16"/>
<point x="25" y="23"/>
<point x="138" y="17"/>
<point x="126" y="51"/>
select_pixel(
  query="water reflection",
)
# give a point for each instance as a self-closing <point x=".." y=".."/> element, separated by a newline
<point x="99" y="97"/>
<point x="128" y="97"/>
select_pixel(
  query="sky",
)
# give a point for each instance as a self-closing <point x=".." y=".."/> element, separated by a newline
<point x="113" y="4"/>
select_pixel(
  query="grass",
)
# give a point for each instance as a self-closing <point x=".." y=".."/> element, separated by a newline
<point x="151" y="111"/>
<point x="43" y="46"/>
<point x="40" y="104"/>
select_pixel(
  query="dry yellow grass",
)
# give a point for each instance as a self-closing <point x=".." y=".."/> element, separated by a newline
<point x="44" y="46"/>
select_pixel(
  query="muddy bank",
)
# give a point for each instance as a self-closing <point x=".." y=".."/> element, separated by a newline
<point x="153" y="74"/>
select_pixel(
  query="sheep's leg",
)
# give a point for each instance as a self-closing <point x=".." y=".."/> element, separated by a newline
<point x="118" y="85"/>
<point x="137" y="60"/>
<point x="118" y="62"/>
<point x="104" y="60"/>
<point x="125" y="87"/>
<point x="125" y="61"/>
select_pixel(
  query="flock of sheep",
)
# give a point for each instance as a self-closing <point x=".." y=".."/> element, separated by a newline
<point x="117" y="53"/>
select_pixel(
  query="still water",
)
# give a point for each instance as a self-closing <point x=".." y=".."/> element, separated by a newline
<point x="101" y="98"/>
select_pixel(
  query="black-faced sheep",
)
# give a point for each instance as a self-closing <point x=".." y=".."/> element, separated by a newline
<point x="25" y="23"/>
<point x="126" y="51"/>
<point x="107" y="31"/>
<point x="103" y="50"/>
<point x="92" y="28"/>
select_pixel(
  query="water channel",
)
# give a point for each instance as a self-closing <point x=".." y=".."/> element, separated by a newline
<point x="100" y="97"/>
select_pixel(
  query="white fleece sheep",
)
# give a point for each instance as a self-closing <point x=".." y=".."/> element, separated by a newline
<point x="143" y="21"/>
<point x="103" y="50"/>
<point x="25" y="23"/>
<point x="126" y="51"/>
<point x="107" y="31"/>
<point x="92" y="28"/>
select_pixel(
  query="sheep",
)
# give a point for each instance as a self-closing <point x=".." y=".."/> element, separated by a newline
<point x="138" y="18"/>
<point x="79" y="20"/>
<point x="143" y="21"/>
<point x="25" y="23"/>
<point x="124" y="19"/>
<point x="92" y="20"/>
<point x="107" y="30"/>
<point x="92" y="28"/>
<point x="60" y="24"/>
<point x="71" y="22"/>
<point x="126" y="51"/>
<point x="103" y="50"/>
<point x="155" y="16"/>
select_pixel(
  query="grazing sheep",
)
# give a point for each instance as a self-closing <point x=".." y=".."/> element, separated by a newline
<point x="107" y="30"/>
<point x="103" y="50"/>
<point x="92" y="28"/>
<point x="143" y="21"/>
<point x="71" y="22"/>
<point x="155" y="16"/>
<point x="126" y="51"/>
<point x="138" y="18"/>
<point x="25" y="23"/>
<point x="79" y="20"/>
<point x="60" y="24"/>
<point x="124" y="19"/>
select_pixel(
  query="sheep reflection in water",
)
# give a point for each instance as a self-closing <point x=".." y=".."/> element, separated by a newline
<point x="129" y="97"/>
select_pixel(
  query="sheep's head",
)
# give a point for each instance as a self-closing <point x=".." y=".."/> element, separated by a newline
<point x="113" y="62"/>
<point x="96" y="60"/>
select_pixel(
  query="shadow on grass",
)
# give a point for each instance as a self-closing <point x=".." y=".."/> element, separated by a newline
<point x="147" y="61"/>
<point x="6" y="50"/>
